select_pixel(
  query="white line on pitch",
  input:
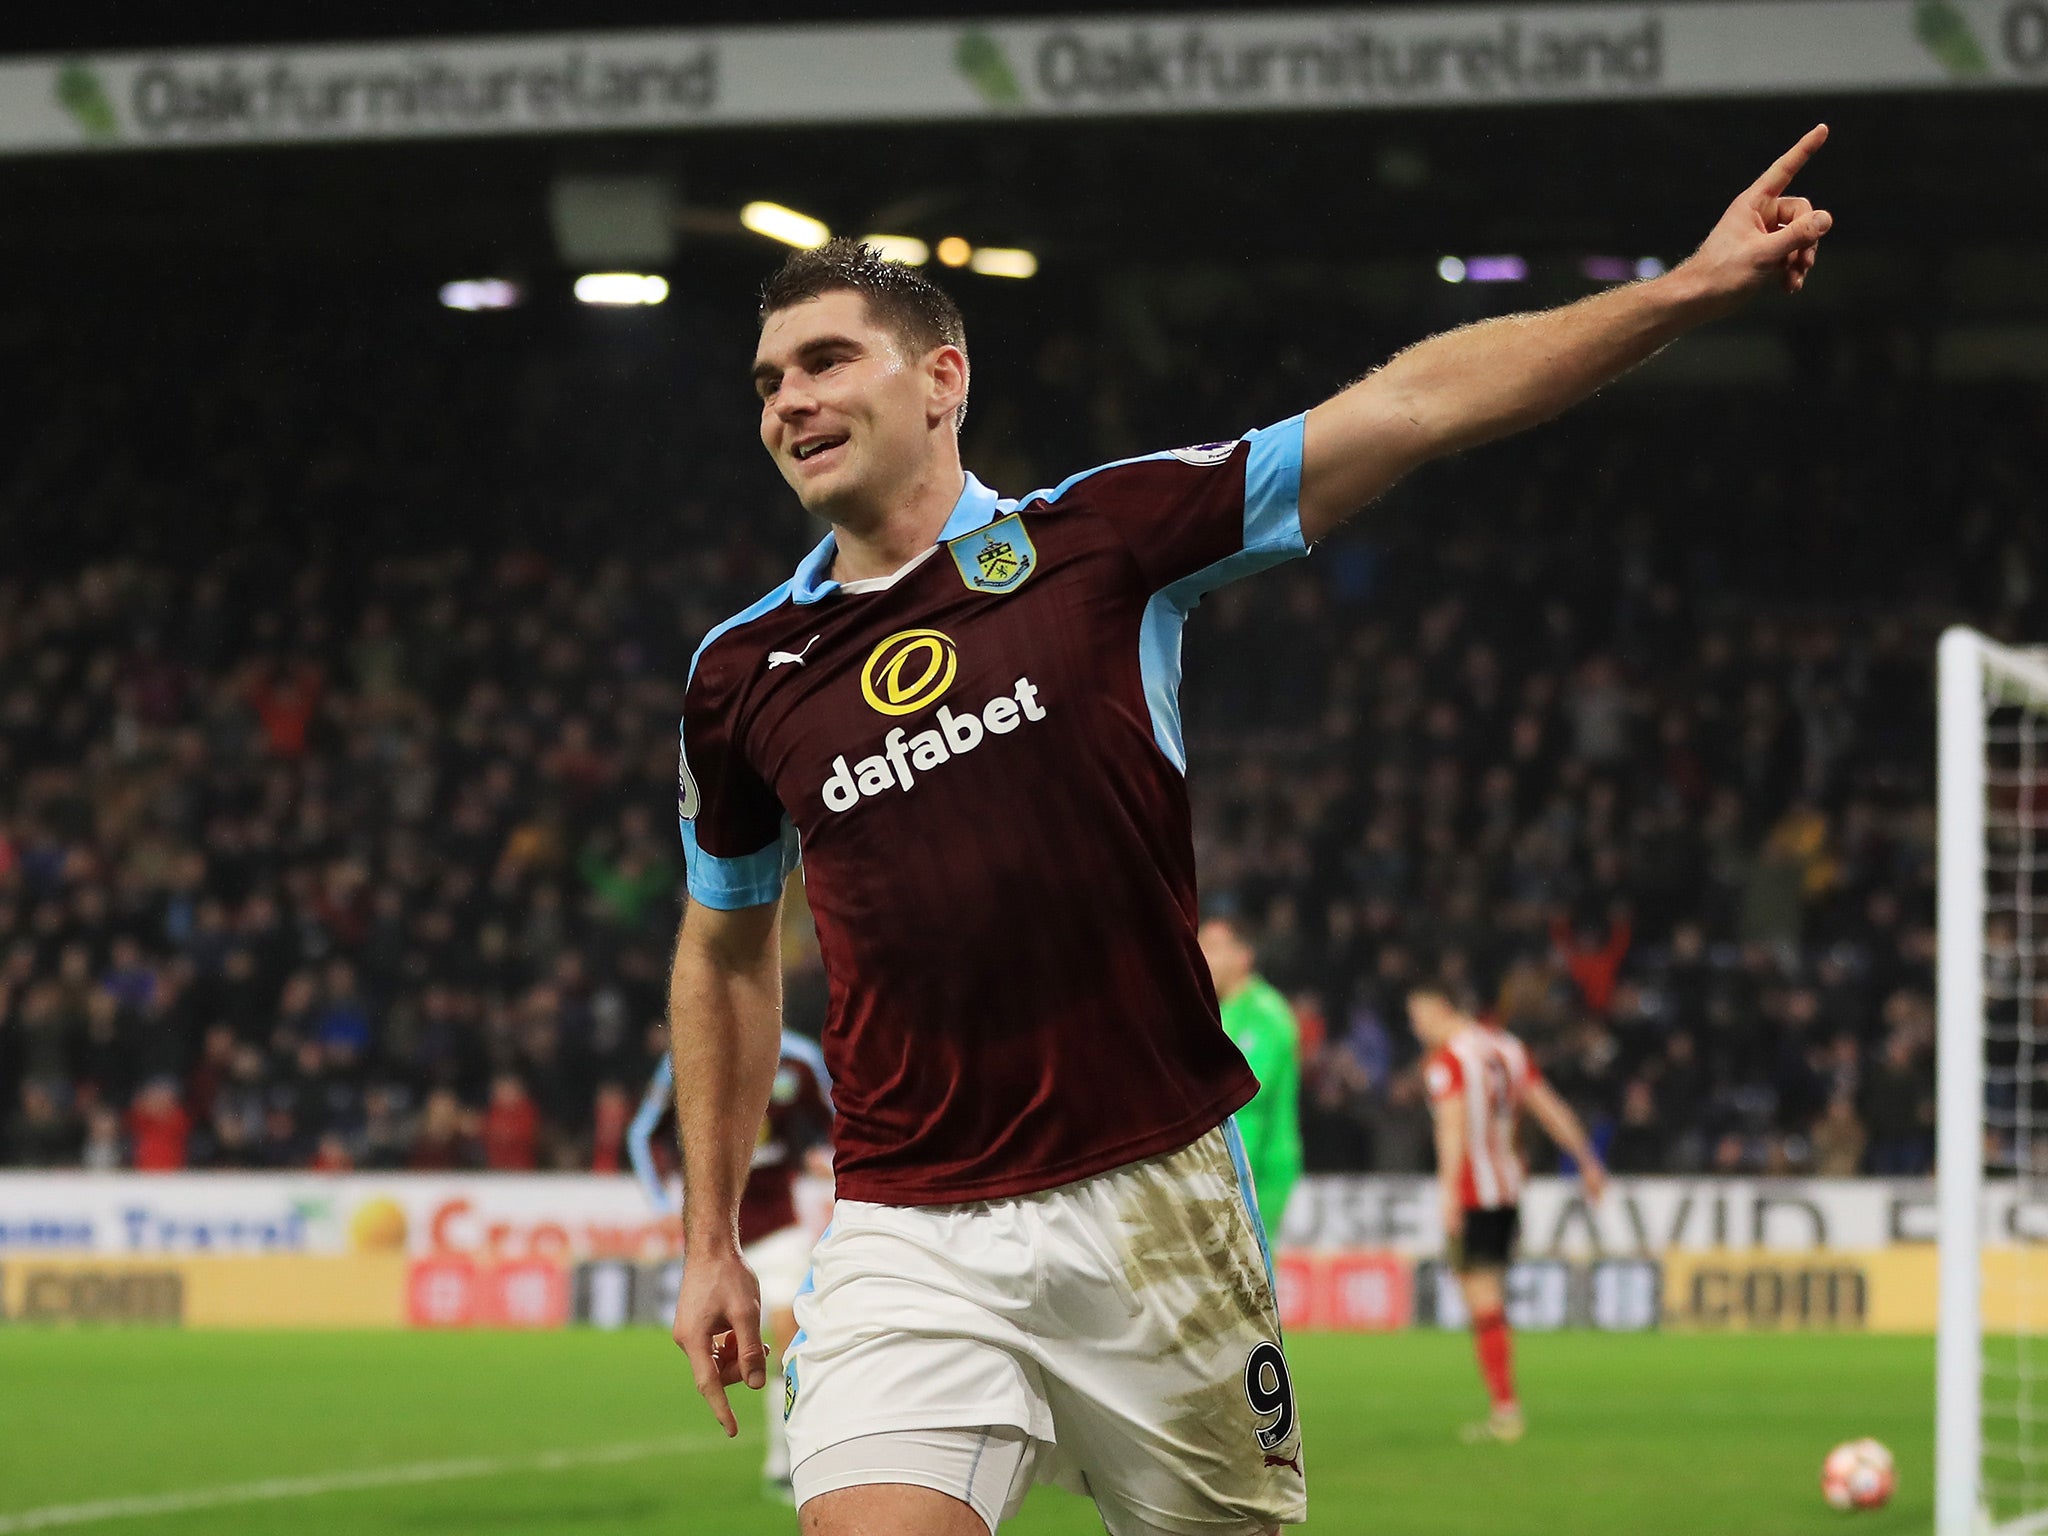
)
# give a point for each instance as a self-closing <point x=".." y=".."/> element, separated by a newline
<point x="341" y="1482"/>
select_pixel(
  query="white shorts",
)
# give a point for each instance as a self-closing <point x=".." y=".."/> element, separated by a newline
<point x="779" y="1262"/>
<point x="1124" y="1324"/>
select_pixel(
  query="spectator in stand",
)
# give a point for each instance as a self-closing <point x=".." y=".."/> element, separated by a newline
<point x="1400" y="1125"/>
<point x="630" y="875"/>
<point x="129" y="980"/>
<point x="1637" y="1145"/>
<point x="1898" y="1108"/>
<point x="283" y="1142"/>
<point x="344" y="1019"/>
<point x="1839" y="1140"/>
<point x="353" y="781"/>
<point x="1593" y="959"/>
<point x="284" y="698"/>
<point x="158" y="1127"/>
<point x="511" y="1129"/>
<point x="104" y="1150"/>
<point x="609" y="1121"/>
<point x="386" y="1135"/>
<point x="1335" y="1110"/>
<point x="228" y="1142"/>
<point x="446" y="1142"/>
<point x="42" y="1135"/>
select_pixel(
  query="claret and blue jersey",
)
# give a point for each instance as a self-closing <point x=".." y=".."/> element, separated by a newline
<point x="980" y="759"/>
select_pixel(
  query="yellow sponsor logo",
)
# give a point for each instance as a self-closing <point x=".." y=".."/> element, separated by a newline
<point x="907" y="671"/>
<point x="233" y="1290"/>
<point x="1767" y="1292"/>
<point x="378" y="1226"/>
<point x="88" y="1293"/>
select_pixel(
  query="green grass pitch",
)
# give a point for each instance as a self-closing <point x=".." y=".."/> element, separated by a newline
<point x="1649" y="1435"/>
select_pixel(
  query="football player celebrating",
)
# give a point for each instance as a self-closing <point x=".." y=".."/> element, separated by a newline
<point x="1044" y="1262"/>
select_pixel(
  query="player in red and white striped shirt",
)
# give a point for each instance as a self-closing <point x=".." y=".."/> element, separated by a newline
<point x="1480" y="1080"/>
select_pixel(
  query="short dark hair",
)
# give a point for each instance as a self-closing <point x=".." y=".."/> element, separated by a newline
<point x="900" y="298"/>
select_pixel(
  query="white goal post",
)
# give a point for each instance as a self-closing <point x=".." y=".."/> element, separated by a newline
<point x="1991" y="1396"/>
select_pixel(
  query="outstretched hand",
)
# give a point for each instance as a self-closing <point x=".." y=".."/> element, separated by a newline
<point x="1765" y="236"/>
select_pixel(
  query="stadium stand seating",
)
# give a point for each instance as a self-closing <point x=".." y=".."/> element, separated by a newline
<point x="338" y="700"/>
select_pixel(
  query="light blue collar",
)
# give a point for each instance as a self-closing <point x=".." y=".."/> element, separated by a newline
<point x="975" y="508"/>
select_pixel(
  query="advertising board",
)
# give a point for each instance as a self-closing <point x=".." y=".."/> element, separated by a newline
<point x="1357" y="1253"/>
<point x="570" y="1217"/>
<point x="563" y="1217"/>
<point x="1198" y="62"/>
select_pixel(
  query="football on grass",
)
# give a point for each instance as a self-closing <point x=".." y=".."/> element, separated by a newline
<point x="1858" y="1474"/>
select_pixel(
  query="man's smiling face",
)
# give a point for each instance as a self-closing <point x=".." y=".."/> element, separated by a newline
<point x="847" y="407"/>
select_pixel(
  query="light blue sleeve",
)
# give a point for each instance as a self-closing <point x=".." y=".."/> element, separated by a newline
<point x="1269" y="528"/>
<point x="751" y="880"/>
<point x="729" y="882"/>
<point x="1272" y="534"/>
<point x="733" y="800"/>
<point x="654" y="1104"/>
<point x="1272" y="505"/>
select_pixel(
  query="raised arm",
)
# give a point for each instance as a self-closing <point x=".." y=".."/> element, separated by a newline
<point x="1488" y="380"/>
<point x="1564" y="1128"/>
<point x="724" y="1026"/>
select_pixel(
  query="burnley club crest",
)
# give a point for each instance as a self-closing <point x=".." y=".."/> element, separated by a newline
<point x="997" y="558"/>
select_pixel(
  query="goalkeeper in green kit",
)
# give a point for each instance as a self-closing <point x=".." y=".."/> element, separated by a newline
<point x="1261" y="1025"/>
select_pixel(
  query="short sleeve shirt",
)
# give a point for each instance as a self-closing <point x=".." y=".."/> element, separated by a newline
<point x="1490" y="1072"/>
<point x="980" y="765"/>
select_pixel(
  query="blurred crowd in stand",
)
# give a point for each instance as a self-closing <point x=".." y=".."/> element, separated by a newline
<point x="338" y="705"/>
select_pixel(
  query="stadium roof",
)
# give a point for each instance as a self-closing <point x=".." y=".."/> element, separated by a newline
<point x="1922" y="185"/>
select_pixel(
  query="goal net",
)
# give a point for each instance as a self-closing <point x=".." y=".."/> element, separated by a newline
<point x="1991" y="1431"/>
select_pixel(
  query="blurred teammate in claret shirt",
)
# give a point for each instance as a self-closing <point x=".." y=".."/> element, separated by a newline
<point x="792" y="1141"/>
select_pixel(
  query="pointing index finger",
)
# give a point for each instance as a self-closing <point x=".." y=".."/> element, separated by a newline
<point x="1774" y="181"/>
<point x="711" y="1386"/>
<point x="706" y="1368"/>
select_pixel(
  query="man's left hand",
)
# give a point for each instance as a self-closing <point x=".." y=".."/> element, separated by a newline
<point x="1765" y="236"/>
